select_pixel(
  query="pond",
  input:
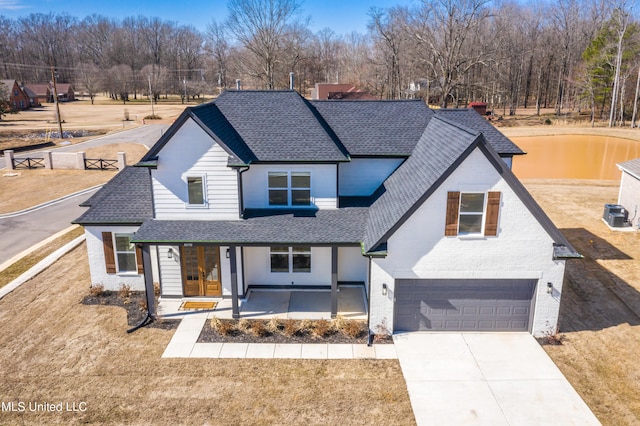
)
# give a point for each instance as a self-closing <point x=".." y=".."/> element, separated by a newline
<point x="573" y="156"/>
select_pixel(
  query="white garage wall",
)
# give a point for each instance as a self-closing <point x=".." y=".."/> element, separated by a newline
<point x="522" y="248"/>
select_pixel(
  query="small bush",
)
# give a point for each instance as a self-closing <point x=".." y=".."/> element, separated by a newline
<point x="548" y="122"/>
<point x="222" y="327"/>
<point x="321" y="328"/>
<point x="305" y="326"/>
<point x="244" y="325"/>
<point x="290" y="327"/>
<point x="274" y="325"/>
<point x="142" y="304"/>
<point x="124" y="291"/>
<point x="96" y="290"/>
<point x="259" y="328"/>
<point x="338" y="322"/>
<point x="152" y="117"/>
<point x="353" y="329"/>
<point x="156" y="289"/>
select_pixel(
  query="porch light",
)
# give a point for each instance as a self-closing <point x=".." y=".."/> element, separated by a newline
<point x="550" y="288"/>
<point x="228" y="254"/>
<point x="384" y="289"/>
<point x="170" y="253"/>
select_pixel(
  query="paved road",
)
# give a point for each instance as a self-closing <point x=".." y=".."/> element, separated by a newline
<point x="146" y="135"/>
<point x="18" y="233"/>
<point x="23" y="231"/>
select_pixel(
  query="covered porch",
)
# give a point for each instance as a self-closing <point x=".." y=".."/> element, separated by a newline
<point x="259" y="303"/>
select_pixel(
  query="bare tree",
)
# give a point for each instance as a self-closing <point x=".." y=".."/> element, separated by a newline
<point x="90" y="79"/>
<point x="217" y="47"/>
<point x="620" y="16"/>
<point x="259" y="26"/>
<point x="389" y="28"/>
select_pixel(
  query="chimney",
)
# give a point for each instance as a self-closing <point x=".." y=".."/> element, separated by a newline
<point x="290" y="81"/>
<point x="238" y="85"/>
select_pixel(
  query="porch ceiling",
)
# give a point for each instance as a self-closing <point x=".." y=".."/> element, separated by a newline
<point x="259" y="227"/>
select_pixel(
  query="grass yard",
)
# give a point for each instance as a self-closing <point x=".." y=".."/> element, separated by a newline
<point x="600" y="309"/>
<point x="54" y="349"/>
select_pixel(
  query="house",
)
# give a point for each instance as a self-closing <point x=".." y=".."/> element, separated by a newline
<point x="267" y="190"/>
<point x="42" y="92"/>
<point x="34" y="101"/>
<point x="66" y="92"/>
<point x="324" y="91"/>
<point x="629" y="195"/>
<point x="17" y="98"/>
<point x="479" y="107"/>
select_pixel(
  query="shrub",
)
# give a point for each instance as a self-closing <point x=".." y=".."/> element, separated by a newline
<point x="338" y="322"/>
<point x="289" y="327"/>
<point x="244" y="325"/>
<point x="274" y="325"/>
<point x="96" y="290"/>
<point x="152" y="117"/>
<point x="354" y="329"/>
<point x="222" y="327"/>
<point x="321" y="328"/>
<point x="142" y="304"/>
<point x="156" y="289"/>
<point x="305" y="326"/>
<point x="548" y="122"/>
<point x="259" y="328"/>
<point x="124" y="291"/>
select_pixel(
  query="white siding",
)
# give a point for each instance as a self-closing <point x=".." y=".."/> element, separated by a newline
<point x="95" y="251"/>
<point x="362" y="176"/>
<point x="522" y="249"/>
<point x="352" y="265"/>
<point x="255" y="185"/>
<point x="630" y="196"/>
<point x="257" y="267"/>
<point x="191" y="152"/>
<point x="170" y="271"/>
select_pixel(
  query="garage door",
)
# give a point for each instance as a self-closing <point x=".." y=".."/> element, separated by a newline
<point x="463" y="305"/>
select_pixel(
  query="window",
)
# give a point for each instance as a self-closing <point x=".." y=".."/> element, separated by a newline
<point x="289" y="188"/>
<point x="290" y="259"/>
<point x="472" y="213"/>
<point x="195" y="187"/>
<point x="125" y="253"/>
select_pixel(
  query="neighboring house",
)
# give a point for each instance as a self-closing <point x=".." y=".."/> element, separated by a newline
<point x="17" y="98"/>
<point x="629" y="196"/>
<point x="42" y="92"/>
<point x="34" y="101"/>
<point x="66" y="92"/>
<point x="264" y="189"/>
<point x="324" y="91"/>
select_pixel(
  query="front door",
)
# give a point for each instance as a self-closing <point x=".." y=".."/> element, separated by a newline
<point x="201" y="270"/>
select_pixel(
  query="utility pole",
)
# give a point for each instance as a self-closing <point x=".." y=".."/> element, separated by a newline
<point x="153" y="114"/>
<point x="184" y="81"/>
<point x="55" y="100"/>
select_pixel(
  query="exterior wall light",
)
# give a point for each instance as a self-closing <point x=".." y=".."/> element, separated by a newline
<point x="170" y="253"/>
<point x="550" y="288"/>
<point x="228" y="254"/>
<point x="384" y="289"/>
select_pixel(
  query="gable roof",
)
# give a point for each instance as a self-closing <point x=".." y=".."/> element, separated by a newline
<point x="125" y="199"/>
<point x="40" y="89"/>
<point x="376" y="128"/>
<point x="443" y="147"/>
<point x="632" y="167"/>
<point x="468" y="117"/>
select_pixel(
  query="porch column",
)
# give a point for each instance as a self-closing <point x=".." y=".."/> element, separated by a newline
<point x="334" y="282"/>
<point x="148" y="280"/>
<point x="235" y="312"/>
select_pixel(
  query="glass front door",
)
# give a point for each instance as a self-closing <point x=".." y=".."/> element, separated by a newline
<point x="201" y="270"/>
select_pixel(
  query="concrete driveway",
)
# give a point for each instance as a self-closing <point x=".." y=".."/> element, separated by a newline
<point x="486" y="379"/>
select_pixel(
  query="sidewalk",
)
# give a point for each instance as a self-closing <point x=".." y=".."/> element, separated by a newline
<point x="183" y="345"/>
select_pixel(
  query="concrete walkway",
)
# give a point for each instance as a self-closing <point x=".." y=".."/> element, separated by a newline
<point x="486" y="379"/>
<point x="183" y="345"/>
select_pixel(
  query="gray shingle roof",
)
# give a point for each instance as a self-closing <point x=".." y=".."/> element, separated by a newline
<point x="280" y="126"/>
<point x="124" y="199"/>
<point x="468" y="117"/>
<point x="338" y="226"/>
<point x="440" y="148"/>
<point x="376" y="128"/>
<point x="631" y="166"/>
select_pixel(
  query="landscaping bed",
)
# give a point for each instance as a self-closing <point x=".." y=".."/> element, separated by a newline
<point x="287" y="331"/>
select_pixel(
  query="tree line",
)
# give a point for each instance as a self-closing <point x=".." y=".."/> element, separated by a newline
<point x="570" y="55"/>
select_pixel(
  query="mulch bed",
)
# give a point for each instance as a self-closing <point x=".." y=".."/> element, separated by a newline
<point x="134" y="304"/>
<point x="258" y="331"/>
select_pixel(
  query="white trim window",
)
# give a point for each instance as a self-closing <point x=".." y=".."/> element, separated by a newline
<point x="289" y="189"/>
<point x="196" y="191"/>
<point x="125" y="252"/>
<point x="285" y="259"/>
<point x="471" y="213"/>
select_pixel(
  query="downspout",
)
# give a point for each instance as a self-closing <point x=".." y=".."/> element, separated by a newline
<point x="240" y="171"/>
<point x="148" y="290"/>
<point x="369" y="335"/>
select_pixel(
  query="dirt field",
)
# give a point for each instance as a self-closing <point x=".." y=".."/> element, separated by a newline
<point x="54" y="349"/>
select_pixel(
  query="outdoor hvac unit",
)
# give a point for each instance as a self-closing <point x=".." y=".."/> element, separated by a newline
<point x="615" y="215"/>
